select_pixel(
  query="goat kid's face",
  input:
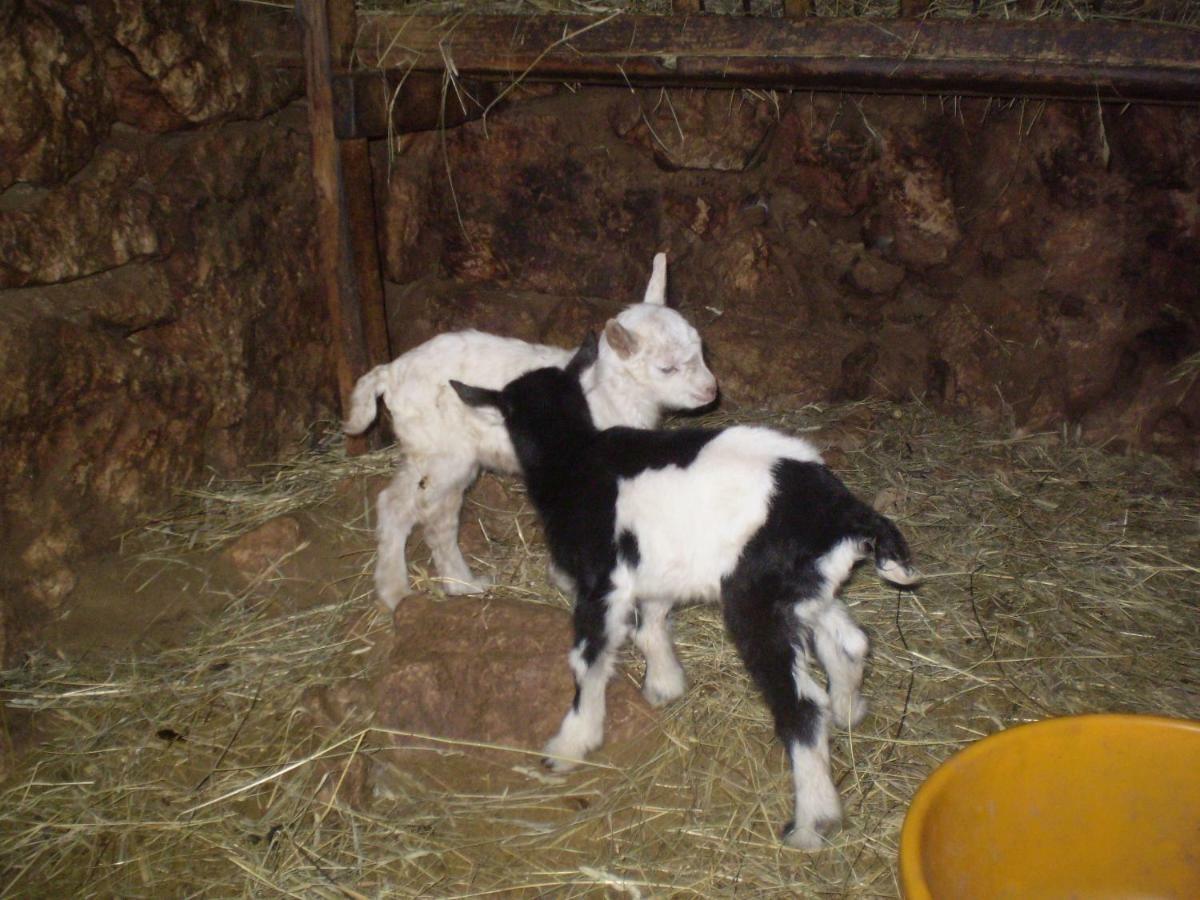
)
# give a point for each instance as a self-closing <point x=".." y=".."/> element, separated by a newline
<point x="662" y="353"/>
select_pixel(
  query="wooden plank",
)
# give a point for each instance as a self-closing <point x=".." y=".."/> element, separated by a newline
<point x="1091" y="60"/>
<point x="336" y="262"/>
<point x="414" y="101"/>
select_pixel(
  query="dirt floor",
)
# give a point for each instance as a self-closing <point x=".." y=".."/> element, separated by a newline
<point x="209" y="719"/>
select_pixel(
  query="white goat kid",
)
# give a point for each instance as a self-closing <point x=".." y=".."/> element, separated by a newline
<point x="650" y="360"/>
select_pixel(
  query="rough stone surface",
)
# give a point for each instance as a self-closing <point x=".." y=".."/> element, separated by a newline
<point x="475" y="671"/>
<point x="56" y="107"/>
<point x="159" y="319"/>
<point x="265" y="548"/>
<point x="696" y="129"/>
<point x="173" y="65"/>
<point x="1045" y="269"/>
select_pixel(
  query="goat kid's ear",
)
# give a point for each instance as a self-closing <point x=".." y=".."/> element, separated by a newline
<point x="623" y="341"/>
<point x="584" y="356"/>
<point x="656" y="288"/>
<point x="476" y="396"/>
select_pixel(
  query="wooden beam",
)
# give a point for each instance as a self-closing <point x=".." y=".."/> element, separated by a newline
<point x="1088" y="60"/>
<point x="339" y="265"/>
<point x="364" y="101"/>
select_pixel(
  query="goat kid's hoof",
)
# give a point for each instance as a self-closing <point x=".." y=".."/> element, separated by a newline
<point x="663" y="691"/>
<point x="388" y="598"/>
<point x="558" y="764"/>
<point x="814" y="837"/>
<point x="457" y="588"/>
<point x="849" y="713"/>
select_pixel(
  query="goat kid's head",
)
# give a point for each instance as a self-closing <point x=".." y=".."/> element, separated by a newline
<point x="657" y="348"/>
<point x="543" y="401"/>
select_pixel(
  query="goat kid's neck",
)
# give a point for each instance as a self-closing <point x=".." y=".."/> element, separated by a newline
<point x="615" y="396"/>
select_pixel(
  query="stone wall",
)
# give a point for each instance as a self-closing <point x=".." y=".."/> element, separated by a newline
<point x="159" y="320"/>
<point x="1037" y="261"/>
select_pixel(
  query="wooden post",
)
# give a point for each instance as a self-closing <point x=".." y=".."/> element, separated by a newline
<point x="348" y="257"/>
<point x="359" y="186"/>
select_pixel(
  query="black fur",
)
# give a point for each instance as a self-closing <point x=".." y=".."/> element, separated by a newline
<point x="627" y="549"/>
<point x="810" y="512"/>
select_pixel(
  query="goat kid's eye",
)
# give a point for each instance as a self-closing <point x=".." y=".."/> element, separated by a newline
<point x="668" y="370"/>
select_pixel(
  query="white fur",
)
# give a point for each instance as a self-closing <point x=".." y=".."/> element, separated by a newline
<point x="692" y="522"/>
<point x="898" y="574"/>
<point x="842" y="650"/>
<point x="818" y="808"/>
<point x="446" y="443"/>
<point x="664" y="679"/>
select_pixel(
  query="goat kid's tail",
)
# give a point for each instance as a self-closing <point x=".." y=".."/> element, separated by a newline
<point x="362" y="401"/>
<point x="892" y="559"/>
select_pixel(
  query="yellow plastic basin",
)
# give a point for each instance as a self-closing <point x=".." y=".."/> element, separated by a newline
<point x="1100" y="806"/>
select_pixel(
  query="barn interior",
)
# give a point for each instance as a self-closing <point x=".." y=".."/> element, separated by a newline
<point x="956" y="245"/>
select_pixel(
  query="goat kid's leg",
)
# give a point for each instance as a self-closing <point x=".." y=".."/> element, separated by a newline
<point x="601" y="626"/>
<point x="395" y="516"/>
<point x="664" y="680"/>
<point x="818" y="807"/>
<point x="441" y="497"/>
<point x="842" y="649"/>
<point x="561" y="579"/>
<point x="774" y="649"/>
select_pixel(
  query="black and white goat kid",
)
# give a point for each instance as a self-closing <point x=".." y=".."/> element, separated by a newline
<point x="637" y="521"/>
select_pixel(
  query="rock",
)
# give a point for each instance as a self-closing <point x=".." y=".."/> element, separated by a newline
<point x="187" y="64"/>
<point x="1155" y="147"/>
<point x="488" y="671"/>
<point x="47" y="560"/>
<point x="914" y="218"/>
<point x="466" y="672"/>
<point x="56" y="107"/>
<point x="161" y="335"/>
<point x="403" y="214"/>
<point x="865" y="270"/>
<point x="103" y="219"/>
<point x="697" y="129"/>
<point x="875" y="275"/>
<point x="265" y="548"/>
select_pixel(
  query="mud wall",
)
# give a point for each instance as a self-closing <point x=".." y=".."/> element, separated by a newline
<point x="159" y="320"/>
<point x="1037" y="261"/>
